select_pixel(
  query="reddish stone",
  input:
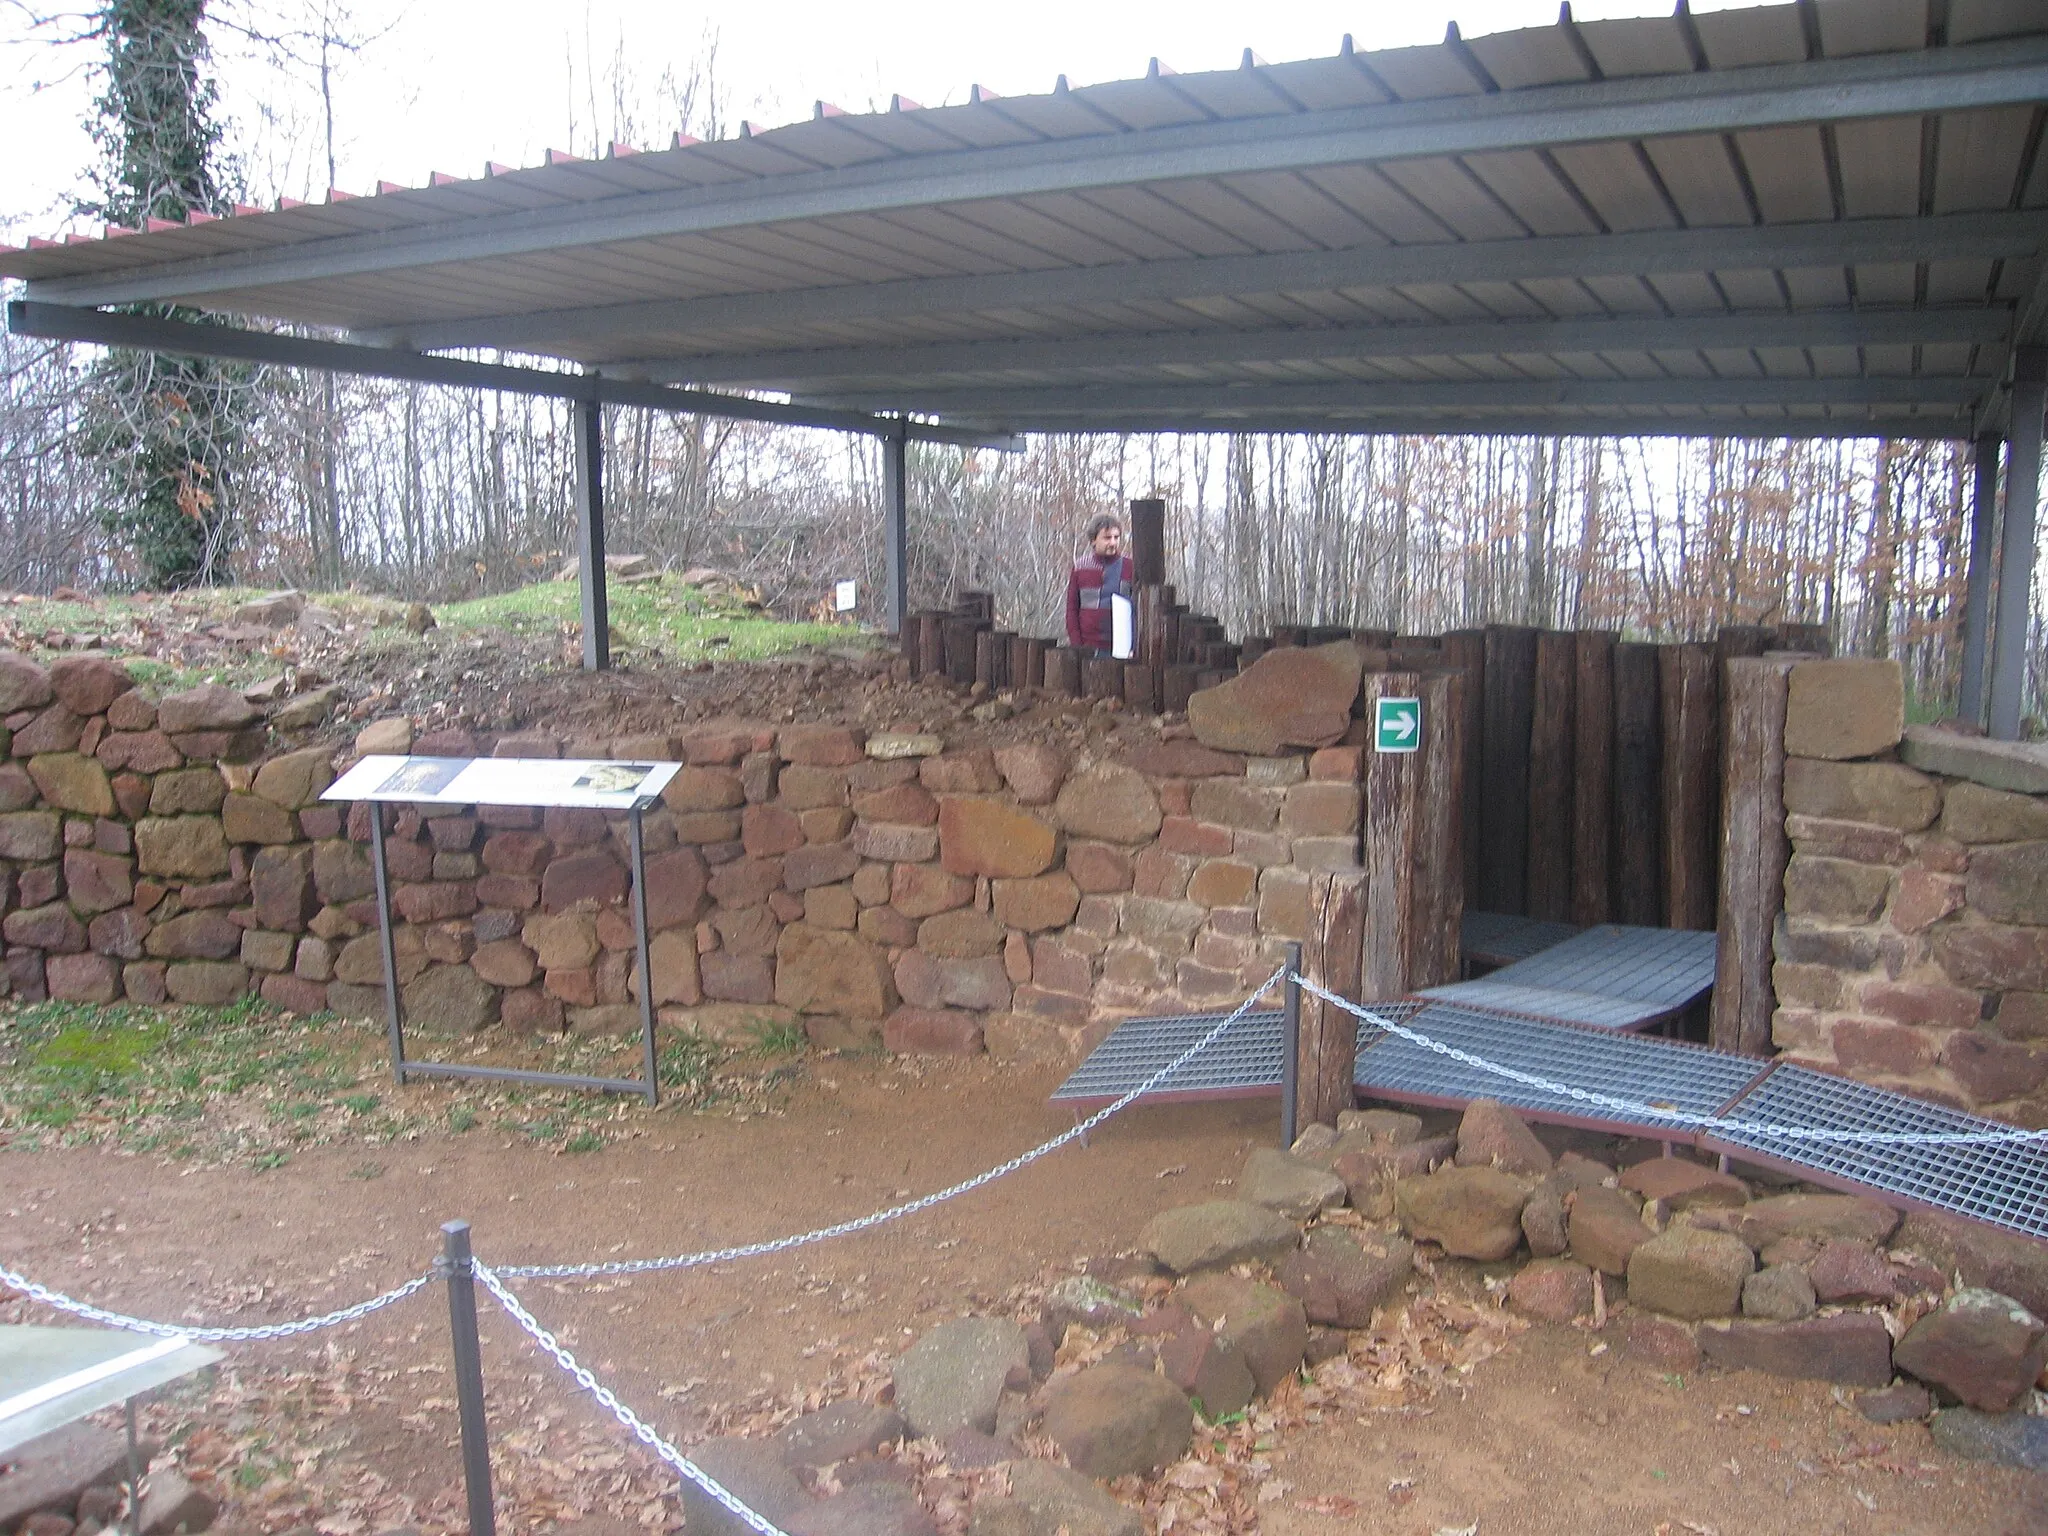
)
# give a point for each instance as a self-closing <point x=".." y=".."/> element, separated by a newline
<point x="1926" y="1004"/>
<point x="717" y="746"/>
<point x="120" y="933"/>
<point x="318" y="823"/>
<point x="823" y="746"/>
<point x="294" y="993"/>
<point x="1993" y="957"/>
<point x="145" y="981"/>
<point x="509" y="818"/>
<point x="1852" y="1273"/>
<point x="593" y="875"/>
<point x="787" y="906"/>
<point x="25" y="981"/>
<point x="83" y="978"/>
<point x="923" y="890"/>
<point x="1942" y="855"/>
<point x="98" y="882"/>
<point x="437" y="901"/>
<point x="532" y="1012"/>
<point x="281" y="888"/>
<point x="1155" y="872"/>
<point x="961" y="773"/>
<point x="222" y="746"/>
<point x="1660" y="1343"/>
<point x="1099" y="867"/>
<point x="676" y="883"/>
<point x="704" y="789"/>
<point x="1871" y="1045"/>
<point x="736" y="978"/>
<point x="767" y="830"/>
<point x="1343" y="765"/>
<point x="449" y="943"/>
<point x="1181" y="834"/>
<point x="1060" y="1006"/>
<point x="1985" y="1348"/>
<point x="131" y="795"/>
<point x="452" y="834"/>
<point x="1606" y="1227"/>
<point x="132" y="711"/>
<point x="56" y="729"/>
<point x="1858" y="841"/>
<point x="1924" y="899"/>
<point x="1552" y="1290"/>
<point x="909" y="805"/>
<point x="887" y="927"/>
<point x="1993" y="1070"/>
<point x="932" y="1032"/>
<point x="206" y="935"/>
<point x="1034" y="770"/>
<point x="516" y="853"/>
<point x="39" y="885"/>
<point x="745" y="882"/>
<point x="1176" y="797"/>
<point x="573" y="827"/>
<point x="138" y="751"/>
<point x="51" y="926"/>
<point x="518" y="893"/>
<point x="1184" y="759"/>
<point x="17" y="790"/>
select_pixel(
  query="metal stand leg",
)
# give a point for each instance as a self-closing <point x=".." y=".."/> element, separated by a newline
<point x="646" y="964"/>
<point x="454" y="1265"/>
<point x="1290" y="1047"/>
<point x="134" y="1473"/>
<point x="391" y="1001"/>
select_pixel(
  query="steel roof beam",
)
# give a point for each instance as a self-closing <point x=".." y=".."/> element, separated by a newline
<point x="1972" y="324"/>
<point x="1117" y="401"/>
<point x="1938" y="80"/>
<point x="1505" y="425"/>
<point x="59" y="322"/>
<point x="1986" y="236"/>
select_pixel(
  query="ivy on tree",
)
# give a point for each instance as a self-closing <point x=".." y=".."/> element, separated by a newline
<point x="167" y="431"/>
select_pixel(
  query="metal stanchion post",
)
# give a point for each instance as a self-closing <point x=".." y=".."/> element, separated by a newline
<point x="647" y="1050"/>
<point x="454" y="1265"/>
<point x="1290" y="1046"/>
<point x="392" y="1004"/>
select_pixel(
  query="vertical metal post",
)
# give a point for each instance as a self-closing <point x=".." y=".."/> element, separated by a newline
<point x="469" y="1377"/>
<point x="896" y="524"/>
<point x="1977" y="588"/>
<point x="134" y="1471"/>
<point x="647" y="1052"/>
<point x="597" y="631"/>
<point x="2016" y="548"/>
<point x="1290" y="1047"/>
<point x="392" y="1011"/>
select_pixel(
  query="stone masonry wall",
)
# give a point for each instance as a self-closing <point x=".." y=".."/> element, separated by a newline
<point x="1913" y="949"/>
<point x="880" y="888"/>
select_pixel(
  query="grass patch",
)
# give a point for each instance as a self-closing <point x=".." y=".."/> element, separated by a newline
<point x="783" y="1038"/>
<point x="664" y="615"/>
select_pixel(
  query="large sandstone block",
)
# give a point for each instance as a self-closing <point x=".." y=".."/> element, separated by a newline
<point x="1987" y="955"/>
<point x="1114" y="1420"/>
<point x="70" y="782"/>
<point x="1688" y="1273"/>
<point x="208" y="707"/>
<point x="1970" y="813"/>
<point x="954" y="1376"/>
<point x="1266" y="1325"/>
<point x="189" y="847"/>
<point x="1835" y="890"/>
<point x="1475" y="1213"/>
<point x="1217" y="1234"/>
<point x="1888" y="794"/>
<point x="823" y="970"/>
<point x="1290" y="697"/>
<point x="986" y="837"/>
<point x="2009" y="883"/>
<point x="1844" y="707"/>
<point x="2019" y="766"/>
<point x="1340" y="1275"/>
<point x="1038" y="904"/>
<point x="1852" y="1348"/>
<point x="1109" y="803"/>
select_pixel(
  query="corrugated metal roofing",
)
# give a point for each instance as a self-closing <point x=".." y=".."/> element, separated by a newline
<point x="1824" y="217"/>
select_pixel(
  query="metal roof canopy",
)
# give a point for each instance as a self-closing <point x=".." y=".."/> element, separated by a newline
<point x="1826" y="218"/>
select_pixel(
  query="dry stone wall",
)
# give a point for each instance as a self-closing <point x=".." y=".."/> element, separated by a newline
<point x="880" y="888"/>
<point x="1913" y="949"/>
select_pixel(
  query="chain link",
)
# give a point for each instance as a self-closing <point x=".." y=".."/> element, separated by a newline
<point x="1671" y="1113"/>
<point x="91" y="1313"/>
<point x="909" y="1208"/>
<point x="637" y="1426"/>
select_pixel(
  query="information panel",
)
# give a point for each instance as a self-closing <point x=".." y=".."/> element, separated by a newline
<point x="585" y="783"/>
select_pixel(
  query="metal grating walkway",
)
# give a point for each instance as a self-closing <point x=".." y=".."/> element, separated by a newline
<point x="1501" y="938"/>
<point x="2004" y="1185"/>
<point x="1611" y="976"/>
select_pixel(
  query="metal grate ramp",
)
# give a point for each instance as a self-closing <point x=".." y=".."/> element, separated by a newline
<point x="1612" y="976"/>
<point x="2005" y="1185"/>
<point x="1669" y="1073"/>
<point x="1501" y="938"/>
<point x="1245" y="1060"/>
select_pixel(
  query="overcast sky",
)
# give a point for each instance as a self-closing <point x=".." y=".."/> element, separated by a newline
<point x="444" y="85"/>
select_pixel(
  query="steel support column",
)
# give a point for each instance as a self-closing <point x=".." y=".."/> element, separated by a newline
<point x="896" y="522"/>
<point x="1977" y="590"/>
<point x="2016" y="548"/>
<point x="590" y="573"/>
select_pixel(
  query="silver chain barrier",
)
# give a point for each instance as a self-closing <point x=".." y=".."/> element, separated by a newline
<point x="91" y="1313"/>
<point x="637" y="1426"/>
<point x="1673" y="1114"/>
<point x="908" y="1208"/>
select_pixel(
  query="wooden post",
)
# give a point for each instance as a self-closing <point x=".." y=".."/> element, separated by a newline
<point x="931" y="644"/>
<point x="1553" y="718"/>
<point x="1440" y="831"/>
<point x="1141" y="686"/>
<point x="1102" y="677"/>
<point x="1182" y="679"/>
<point x="1032" y="664"/>
<point x="1063" y="673"/>
<point x="1592" y="777"/>
<point x="1754" y="853"/>
<point x="1465" y="649"/>
<point x="960" y="647"/>
<point x="1390" y="853"/>
<point x="986" y="644"/>
<point x="1812" y="638"/>
<point x="1504" y="771"/>
<point x="1692" y="782"/>
<point x="1329" y="1035"/>
<point x="1637" y="847"/>
<point x="1148" y="542"/>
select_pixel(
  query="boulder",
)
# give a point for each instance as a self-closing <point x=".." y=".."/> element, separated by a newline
<point x="1552" y="1290"/>
<point x="1109" y="803"/>
<point x="1852" y="1272"/>
<point x="1283" y="1183"/>
<point x="1854" y="1218"/>
<point x="1984" y="1257"/>
<point x="837" y="1432"/>
<point x="1216" y="1234"/>
<point x="1474" y="1213"/>
<point x="1985" y="1349"/>
<point x="2005" y="1439"/>
<point x="827" y="970"/>
<point x="1293" y="696"/>
<point x="1853" y="1349"/>
<point x="208" y="707"/>
<point x="1689" y="1273"/>
<point x="954" y="1375"/>
<point x="979" y="836"/>
<point x="1683" y="1184"/>
<point x="1046" y="1499"/>
<point x="1779" y="1293"/>
<point x="1206" y="1366"/>
<point x="1034" y="770"/>
<point x="1266" y="1324"/>
<point x="1605" y="1227"/>
<point x="866" y="1509"/>
<point x="1090" y="1302"/>
<point x="1544" y="1226"/>
<point x="1340" y="1275"/>
<point x="1492" y="1134"/>
<point x="753" y="1472"/>
<point x="1114" y="1420"/>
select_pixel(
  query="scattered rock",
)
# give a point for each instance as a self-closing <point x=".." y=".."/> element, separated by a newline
<point x="1475" y="1213"/>
<point x="2008" y="1439"/>
<point x="1985" y="1348"/>
<point x="1688" y="1273"/>
<point x="273" y="610"/>
<point x="869" y="1509"/>
<point x="1090" y="1302"/>
<point x="1112" y="1420"/>
<point x="170" y="1504"/>
<point x="954" y="1375"/>
<point x="1108" y="803"/>
<point x="1216" y="1234"/>
<point x="1391" y="1127"/>
<point x="1045" y="1499"/>
<point x="1852" y="1272"/>
<point x="888" y="746"/>
<point x="1660" y="1343"/>
<point x="1554" y="1290"/>
<point x="1851" y="1217"/>
<point x="753" y="1472"/>
<point x="1683" y="1184"/>
<point x="1899" y="1403"/>
<point x="1605" y="1227"/>
<point x="1341" y="1275"/>
<point x="1283" y="1183"/>
<point x="1780" y="1293"/>
<point x="50" y="1470"/>
<point x="1295" y="696"/>
<point x="1264" y="1322"/>
<point x="1491" y="1133"/>
<point x="209" y="707"/>
<point x="1852" y="1348"/>
<point x="389" y="737"/>
<point x="1206" y="1366"/>
<point x="419" y="618"/>
<point x="837" y="1432"/>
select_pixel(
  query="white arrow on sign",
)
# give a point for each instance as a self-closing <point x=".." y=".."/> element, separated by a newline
<point x="1403" y="725"/>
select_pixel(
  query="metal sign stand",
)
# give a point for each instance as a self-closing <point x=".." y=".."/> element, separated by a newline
<point x="358" y="784"/>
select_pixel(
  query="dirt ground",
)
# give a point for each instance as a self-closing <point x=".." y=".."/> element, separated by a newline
<point x="355" y="1429"/>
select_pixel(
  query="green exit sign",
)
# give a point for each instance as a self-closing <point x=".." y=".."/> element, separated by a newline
<point x="1397" y="725"/>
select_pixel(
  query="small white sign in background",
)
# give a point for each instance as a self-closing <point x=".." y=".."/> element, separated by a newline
<point x="845" y="595"/>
